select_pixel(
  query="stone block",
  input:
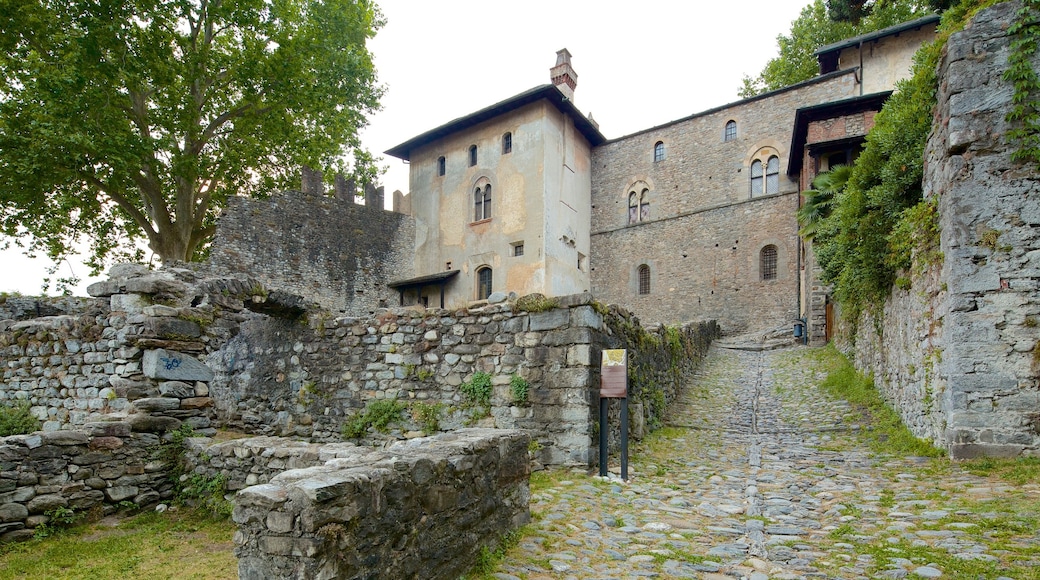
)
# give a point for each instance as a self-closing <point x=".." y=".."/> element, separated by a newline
<point x="152" y="424"/>
<point x="196" y="403"/>
<point x="45" y="503"/>
<point x="119" y="493"/>
<point x="175" y="366"/>
<point x="128" y="303"/>
<point x="65" y="438"/>
<point x="549" y="320"/>
<point x="13" y="512"/>
<point x="586" y="317"/>
<point x="178" y="389"/>
<point x="108" y="429"/>
<point x="157" y="404"/>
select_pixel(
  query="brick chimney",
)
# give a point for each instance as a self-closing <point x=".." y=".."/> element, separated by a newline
<point x="563" y="75"/>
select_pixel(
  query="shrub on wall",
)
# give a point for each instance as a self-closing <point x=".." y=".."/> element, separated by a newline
<point x="864" y="242"/>
<point x="17" y="420"/>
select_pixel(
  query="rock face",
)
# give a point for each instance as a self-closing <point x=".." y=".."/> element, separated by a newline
<point x="422" y="508"/>
<point x="958" y="352"/>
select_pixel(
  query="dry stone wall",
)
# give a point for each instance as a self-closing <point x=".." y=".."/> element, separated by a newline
<point x="94" y="468"/>
<point x="421" y="508"/>
<point x="957" y="355"/>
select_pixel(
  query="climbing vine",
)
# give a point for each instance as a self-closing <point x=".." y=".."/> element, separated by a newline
<point x="1025" y="111"/>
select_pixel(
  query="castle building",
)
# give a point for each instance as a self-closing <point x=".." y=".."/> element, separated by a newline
<point x="692" y="219"/>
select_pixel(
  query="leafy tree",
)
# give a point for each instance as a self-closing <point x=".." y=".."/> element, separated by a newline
<point x="814" y="29"/>
<point x="819" y="201"/>
<point x="854" y="10"/>
<point x="123" y="120"/>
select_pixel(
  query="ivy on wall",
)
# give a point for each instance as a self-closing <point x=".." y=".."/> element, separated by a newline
<point x="1025" y="111"/>
<point x="879" y="223"/>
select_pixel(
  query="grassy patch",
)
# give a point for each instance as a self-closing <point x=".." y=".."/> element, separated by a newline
<point x="888" y="434"/>
<point x="1018" y="471"/>
<point x="17" y="420"/>
<point x="180" y="545"/>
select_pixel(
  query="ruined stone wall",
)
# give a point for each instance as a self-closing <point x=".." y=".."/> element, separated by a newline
<point x="957" y="354"/>
<point x="94" y="468"/>
<point x="705" y="232"/>
<point x="308" y="378"/>
<point x="422" y="508"/>
<point x="329" y="249"/>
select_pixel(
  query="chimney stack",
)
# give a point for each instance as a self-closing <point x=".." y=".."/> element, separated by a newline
<point x="563" y="75"/>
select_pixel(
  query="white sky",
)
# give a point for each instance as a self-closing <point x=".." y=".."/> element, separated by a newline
<point x="638" y="65"/>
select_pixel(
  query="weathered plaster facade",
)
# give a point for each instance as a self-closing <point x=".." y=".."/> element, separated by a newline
<point x="539" y="205"/>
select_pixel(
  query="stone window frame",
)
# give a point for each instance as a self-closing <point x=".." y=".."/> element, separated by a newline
<point x="659" y="153"/>
<point x="482" y="200"/>
<point x="472" y="155"/>
<point x="507" y="143"/>
<point x="442" y="164"/>
<point x="485" y="280"/>
<point x="518" y="249"/>
<point x="729" y="133"/>
<point x="638" y="203"/>
<point x="768" y="263"/>
<point x="764" y="172"/>
<point x="643" y="280"/>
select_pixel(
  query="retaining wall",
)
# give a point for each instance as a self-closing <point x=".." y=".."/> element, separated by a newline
<point x="422" y="508"/>
<point x="957" y="354"/>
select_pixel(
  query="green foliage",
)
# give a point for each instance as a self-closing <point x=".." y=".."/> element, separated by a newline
<point x="536" y="303"/>
<point x="424" y="374"/>
<point x="428" y="415"/>
<point x="1024" y="115"/>
<point x="59" y="519"/>
<point x="519" y="387"/>
<point x="488" y="558"/>
<point x="878" y="224"/>
<point x="137" y="120"/>
<point x="1019" y="470"/>
<point x="812" y="30"/>
<point x="17" y="420"/>
<point x="206" y="493"/>
<point x="477" y="390"/>
<point x="378" y="414"/>
<point x="819" y="201"/>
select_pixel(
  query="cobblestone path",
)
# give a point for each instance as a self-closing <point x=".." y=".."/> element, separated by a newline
<point x="760" y="475"/>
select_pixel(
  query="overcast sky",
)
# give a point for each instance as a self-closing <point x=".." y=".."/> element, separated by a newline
<point x="639" y="64"/>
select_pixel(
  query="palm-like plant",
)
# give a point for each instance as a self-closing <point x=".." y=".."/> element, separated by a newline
<point x="819" y="201"/>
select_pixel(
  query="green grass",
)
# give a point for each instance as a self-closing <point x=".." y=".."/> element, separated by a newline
<point x="887" y="433"/>
<point x="182" y="545"/>
<point x="1018" y="471"/>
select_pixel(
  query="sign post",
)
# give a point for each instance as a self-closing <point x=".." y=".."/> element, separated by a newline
<point x="613" y="385"/>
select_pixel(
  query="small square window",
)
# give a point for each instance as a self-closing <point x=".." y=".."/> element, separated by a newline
<point x="518" y="249"/>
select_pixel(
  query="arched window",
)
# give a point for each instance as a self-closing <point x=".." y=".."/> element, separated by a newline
<point x="472" y="155"/>
<point x="644" y="279"/>
<point x="756" y="177"/>
<point x="483" y="283"/>
<point x="639" y="206"/>
<point x="773" y="175"/>
<point x="507" y="143"/>
<point x="440" y="166"/>
<point x="482" y="203"/>
<point x="767" y="262"/>
<point x="731" y="131"/>
<point x="658" y="151"/>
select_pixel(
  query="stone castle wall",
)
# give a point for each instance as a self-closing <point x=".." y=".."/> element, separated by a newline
<point x="327" y="248"/>
<point x="956" y="355"/>
<point x="705" y="233"/>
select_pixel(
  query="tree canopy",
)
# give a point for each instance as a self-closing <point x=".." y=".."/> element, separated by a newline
<point x="123" y="120"/>
<point x="816" y="27"/>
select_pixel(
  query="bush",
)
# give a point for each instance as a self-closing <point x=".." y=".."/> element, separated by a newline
<point x="17" y="420"/>
<point x="478" y="389"/>
<point x="378" y="414"/>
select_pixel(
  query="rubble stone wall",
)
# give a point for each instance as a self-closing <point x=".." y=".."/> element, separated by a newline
<point x="328" y="249"/>
<point x="94" y="468"/>
<point x="421" y="508"/>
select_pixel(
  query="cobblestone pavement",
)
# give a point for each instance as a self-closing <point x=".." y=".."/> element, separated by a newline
<point x="760" y="475"/>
